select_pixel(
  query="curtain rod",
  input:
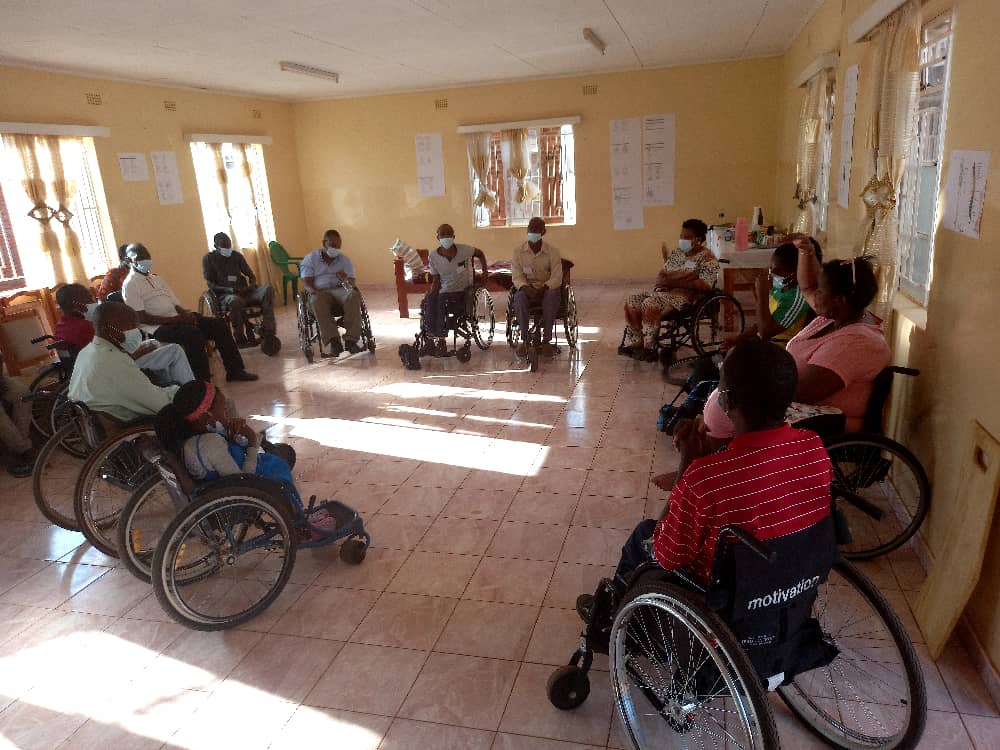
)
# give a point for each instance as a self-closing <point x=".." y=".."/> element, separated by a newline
<point x="45" y="128"/>
<point x="492" y="127"/>
<point x="821" y="63"/>
<point x="264" y="140"/>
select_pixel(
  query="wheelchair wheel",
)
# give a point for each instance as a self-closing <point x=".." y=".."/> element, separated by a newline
<point x="54" y="477"/>
<point x="366" y="328"/>
<point x="568" y="687"/>
<point x="872" y="695"/>
<point x="483" y="319"/>
<point x="570" y="324"/>
<point x="409" y="355"/>
<point x="533" y="356"/>
<point x="75" y="441"/>
<point x="680" y="677"/>
<point x="464" y="354"/>
<point x="513" y="329"/>
<point x="45" y="389"/>
<point x="143" y="520"/>
<point x="353" y="551"/>
<point x="208" y="305"/>
<point x="886" y="475"/>
<point x="715" y="319"/>
<point x="224" y="558"/>
<point x="305" y="328"/>
<point x="109" y="477"/>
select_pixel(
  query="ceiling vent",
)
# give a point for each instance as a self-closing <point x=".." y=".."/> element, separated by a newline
<point x="256" y="114"/>
<point x="440" y="104"/>
<point x="590" y="89"/>
<point x="169" y="105"/>
<point x="94" y="99"/>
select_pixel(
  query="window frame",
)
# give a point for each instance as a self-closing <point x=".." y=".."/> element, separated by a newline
<point x="931" y="98"/>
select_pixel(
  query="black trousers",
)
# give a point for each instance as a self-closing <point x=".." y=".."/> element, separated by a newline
<point x="635" y="552"/>
<point x="192" y="339"/>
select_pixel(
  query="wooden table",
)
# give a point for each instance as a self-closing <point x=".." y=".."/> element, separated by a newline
<point x="739" y="273"/>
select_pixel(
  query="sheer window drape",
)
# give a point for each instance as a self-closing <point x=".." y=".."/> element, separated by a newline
<point x="807" y="168"/>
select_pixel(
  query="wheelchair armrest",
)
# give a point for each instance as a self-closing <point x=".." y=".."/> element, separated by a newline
<point x="40" y="339"/>
<point x="897" y="370"/>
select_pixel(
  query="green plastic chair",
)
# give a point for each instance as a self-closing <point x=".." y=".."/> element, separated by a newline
<point x="281" y="258"/>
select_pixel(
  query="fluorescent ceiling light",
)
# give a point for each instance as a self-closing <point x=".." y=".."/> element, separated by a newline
<point x="309" y="70"/>
<point x="591" y="37"/>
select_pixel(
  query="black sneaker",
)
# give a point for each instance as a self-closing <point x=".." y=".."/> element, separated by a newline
<point x="242" y="376"/>
<point x="335" y="349"/>
<point x="584" y="606"/>
<point x="354" y="348"/>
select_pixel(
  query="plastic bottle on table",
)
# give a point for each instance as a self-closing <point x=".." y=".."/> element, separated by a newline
<point x="740" y="240"/>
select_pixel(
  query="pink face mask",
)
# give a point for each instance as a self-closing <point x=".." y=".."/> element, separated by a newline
<point x="716" y="422"/>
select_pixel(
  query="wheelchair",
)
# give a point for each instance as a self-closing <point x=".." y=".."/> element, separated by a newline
<point x="230" y="545"/>
<point x="210" y="306"/>
<point x="309" y="329"/>
<point x="473" y="321"/>
<point x="692" y="664"/>
<point x="48" y="389"/>
<point x="567" y="314"/>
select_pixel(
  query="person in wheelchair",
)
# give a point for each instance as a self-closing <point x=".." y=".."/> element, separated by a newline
<point x="233" y="282"/>
<point x="451" y="278"/>
<point x="771" y="480"/>
<point x="166" y="363"/>
<point x="688" y="268"/>
<point x="328" y="277"/>
<point x="537" y="273"/>
<point x="15" y="425"/>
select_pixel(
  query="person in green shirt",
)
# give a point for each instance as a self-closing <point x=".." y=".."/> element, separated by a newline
<point x="782" y="311"/>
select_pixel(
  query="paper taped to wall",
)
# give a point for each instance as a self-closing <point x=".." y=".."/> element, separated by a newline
<point x="626" y="173"/>
<point x="965" y="191"/>
<point x="658" y="135"/>
<point x="133" y="167"/>
<point x="430" y="164"/>
<point x="168" y="178"/>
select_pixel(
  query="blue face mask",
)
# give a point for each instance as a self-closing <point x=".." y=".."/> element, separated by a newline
<point x="685" y="245"/>
<point x="777" y="281"/>
<point x="225" y="252"/>
<point x="132" y="340"/>
<point x="332" y="252"/>
<point x="534" y="237"/>
<point x="143" y="266"/>
<point x="447" y="242"/>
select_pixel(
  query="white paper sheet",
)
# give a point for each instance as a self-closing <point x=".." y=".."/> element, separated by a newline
<point x="626" y="173"/>
<point x="850" y="90"/>
<point x="133" y="167"/>
<point x="846" y="160"/>
<point x="658" y="136"/>
<point x="167" y="176"/>
<point x="430" y="164"/>
<point x="965" y="191"/>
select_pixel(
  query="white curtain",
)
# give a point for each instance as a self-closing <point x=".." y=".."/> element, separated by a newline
<point x="257" y="240"/>
<point x="807" y="161"/>
<point x="478" y="147"/>
<point x="519" y="166"/>
<point x="894" y="60"/>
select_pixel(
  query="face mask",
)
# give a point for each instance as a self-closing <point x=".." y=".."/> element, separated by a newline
<point x="225" y="252"/>
<point x="777" y="281"/>
<point x="132" y="340"/>
<point x="332" y="252"/>
<point x="534" y="237"/>
<point x="89" y="310"/>
<point x="685" y="245"/>
<point x="447" y="242"/>
<point x="218" y="428"/>
<point x="143" y="266"/>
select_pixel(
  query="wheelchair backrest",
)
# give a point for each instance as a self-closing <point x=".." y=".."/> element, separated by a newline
<point x="768" y="605"/>
<point x="881" y="387"/>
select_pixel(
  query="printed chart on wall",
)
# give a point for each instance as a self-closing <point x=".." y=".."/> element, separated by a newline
<point x="847" y="136"/>
<point x="168" y="178"/>
<point x="626" y="173"/>
<point x="133" y="167"/>
<point x="658" y="159"/>
<point x="965" y="191"/>
<point x="430" y="164"/>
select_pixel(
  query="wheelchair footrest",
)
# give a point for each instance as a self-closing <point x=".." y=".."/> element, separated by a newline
<point x="329" y="521"/>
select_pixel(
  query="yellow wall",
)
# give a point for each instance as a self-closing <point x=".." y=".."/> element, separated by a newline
<point x="359" y="166"/>
<point x="138" y="121"/>
<point x="956" y="349"/>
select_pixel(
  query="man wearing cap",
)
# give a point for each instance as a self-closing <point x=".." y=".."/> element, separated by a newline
<point x="233" y="282"/>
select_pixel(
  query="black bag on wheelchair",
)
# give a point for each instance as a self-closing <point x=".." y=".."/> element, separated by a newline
<point x="768" y="605"/>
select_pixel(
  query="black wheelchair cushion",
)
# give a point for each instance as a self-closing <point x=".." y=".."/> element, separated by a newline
<point x="768" y="605"/>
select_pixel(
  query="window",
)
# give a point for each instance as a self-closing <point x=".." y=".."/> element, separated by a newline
<point x="825" y="156"/>
<point x="11" y="276"/>
<point x="20" y="246"/>
<point x="921" y="181"/>
<point x="552" y="172"/>
<point x="244" y="202"/>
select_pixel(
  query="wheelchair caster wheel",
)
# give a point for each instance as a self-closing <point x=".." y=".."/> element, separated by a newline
<point x="568" y="687"/>
<point x="409" y="356"/>
<point x="464" y="354"/>
<point x="270" y="345"/>
<point x="353" y="551"/>
<point x="308" y="351"/>
<point x="533" y="359"/>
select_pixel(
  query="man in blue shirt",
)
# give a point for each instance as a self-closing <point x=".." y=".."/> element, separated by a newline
<point x="328" y="276"/>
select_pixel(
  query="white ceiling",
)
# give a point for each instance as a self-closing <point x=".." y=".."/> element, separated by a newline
<point x="383" y="45"/>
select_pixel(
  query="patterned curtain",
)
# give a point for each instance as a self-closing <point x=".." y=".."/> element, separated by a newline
<point x="520" y="164"/>
<point x="807" y="162"/>
<point x="223" y="178"/>
<point x="478" y="147"/>
<point x="64" y="191"/>
<point x="889" y="135"/>
<point x="265" y="268"/>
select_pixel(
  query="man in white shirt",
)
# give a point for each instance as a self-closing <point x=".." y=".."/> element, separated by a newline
<point x="451" y="275"/>
<point x="162" y="317"/>
<point x="105" y="376"/>
<point x="537" y="271"/>
<point x="328" y="276"/>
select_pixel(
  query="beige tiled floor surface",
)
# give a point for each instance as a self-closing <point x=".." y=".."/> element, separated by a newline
<point x="494" y="496"/>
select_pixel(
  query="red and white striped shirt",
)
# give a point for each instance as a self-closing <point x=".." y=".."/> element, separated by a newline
<point x="770" y="483"/>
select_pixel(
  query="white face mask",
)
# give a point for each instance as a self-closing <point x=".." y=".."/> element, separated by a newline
<point x="447" y="242"/>
<point x="132" y="340"/>
<point x="534" y="237"/>
<point x="332" y="252"/>
<point x="89" y="310"/>
<point x="777" y="281"/>
<point x="225" y="252"/>
<point x="143" y="266"/>
<point x="685" y="245"/>
<point x="218" y="428"/>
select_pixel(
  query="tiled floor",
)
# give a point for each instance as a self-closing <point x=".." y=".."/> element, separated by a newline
<point x="494" y="497"/>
